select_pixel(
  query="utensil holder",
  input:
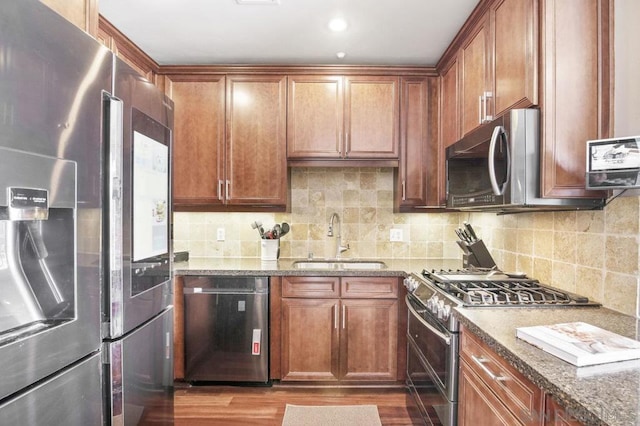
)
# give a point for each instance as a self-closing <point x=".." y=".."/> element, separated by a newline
<point x="270" y="249"/>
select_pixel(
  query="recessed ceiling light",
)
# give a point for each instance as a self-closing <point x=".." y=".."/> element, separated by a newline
<point x="337" y="24"/>
<point x="341" y="55"/>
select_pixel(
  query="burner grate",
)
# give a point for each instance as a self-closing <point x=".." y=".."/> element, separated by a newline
<point x="506" y="293"/>
<point x="474" y="287"/>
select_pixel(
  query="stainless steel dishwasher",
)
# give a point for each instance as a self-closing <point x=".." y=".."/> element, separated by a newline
<point x="226" y="326"/>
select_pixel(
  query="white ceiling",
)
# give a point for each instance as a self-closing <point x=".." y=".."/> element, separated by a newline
<point x="380" y="32"/>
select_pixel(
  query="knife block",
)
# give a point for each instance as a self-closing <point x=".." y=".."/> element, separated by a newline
<point x="476" y="255"/>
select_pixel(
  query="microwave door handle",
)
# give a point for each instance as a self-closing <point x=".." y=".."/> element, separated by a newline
<point x="498" y="132"/>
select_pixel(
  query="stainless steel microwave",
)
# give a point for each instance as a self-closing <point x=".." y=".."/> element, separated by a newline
<point x="497" y="168"/>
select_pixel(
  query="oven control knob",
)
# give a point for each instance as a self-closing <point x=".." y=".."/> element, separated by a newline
<point x="435" y="301"/>
<point x="440" y="309"/>
<point x="411" y="284"/>
<point x="445" y="313"/>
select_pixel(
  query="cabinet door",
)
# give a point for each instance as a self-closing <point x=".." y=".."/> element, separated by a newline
<point x="371" y="117"/>
<point x="256" y="162"/>
<point x="577" y="91"/>
<point x="474" y="58"/>
<point x="310" y="339"/>
<point x="368" y="341"/>
<point x="478" y="406"/>
<point x="411" y="189"/>
<point x="315" y="124"/>
<point x="198" y="139"/>
<point x="81" y="13"/>
<point x="515" y="54"/>
<point x="450" y="94"/>
<point x="556" y="415"/>
<point x="419" y="184"/>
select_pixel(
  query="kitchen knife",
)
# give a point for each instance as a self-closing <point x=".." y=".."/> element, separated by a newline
<point x="471" y="232"/>
<point x="463" y="236"/>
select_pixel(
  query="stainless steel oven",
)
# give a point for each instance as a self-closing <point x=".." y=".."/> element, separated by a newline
<point x="432" y="331"/>
<point x="432" y="364"/>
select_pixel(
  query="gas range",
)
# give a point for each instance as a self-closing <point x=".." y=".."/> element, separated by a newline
<point x="440" y="291"/>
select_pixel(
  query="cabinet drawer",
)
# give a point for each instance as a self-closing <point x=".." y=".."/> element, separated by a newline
<point x="479" y="402"/>
<point x="369" y="288"/>
<point x="523" y="398"/>
<point x="315" y="287"/>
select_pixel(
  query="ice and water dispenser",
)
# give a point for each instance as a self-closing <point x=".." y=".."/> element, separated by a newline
<point x="37" y="242"/>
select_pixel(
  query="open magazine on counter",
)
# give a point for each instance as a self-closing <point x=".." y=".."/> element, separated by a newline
<point x="580" y="343"/>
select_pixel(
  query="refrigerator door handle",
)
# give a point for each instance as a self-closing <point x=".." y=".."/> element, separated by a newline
<point x="115" y="124"/>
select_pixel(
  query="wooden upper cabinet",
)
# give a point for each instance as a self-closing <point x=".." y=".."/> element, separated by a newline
<point x="256" y="160"/>
<point x="576" y="104"/>
<point x="449" y="104"/>
<point x="334" y="117"/>
<point x="229" y="141"/>
<point x="514" y="25"/>
<point x="198" y="148"/>
<point x="499" y="68"/>
<point x="315" y="119"/>
<point x="371" y="117"/>
<point x="418" y="182"/>
<point x="474" y="93"/>
<point x="556" y="54"/>
<point x="81" y="13"/>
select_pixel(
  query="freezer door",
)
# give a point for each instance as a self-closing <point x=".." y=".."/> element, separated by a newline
<point x="52" y="76"/>
<point x="71" y="397"/>
<point x="139" y="374"/>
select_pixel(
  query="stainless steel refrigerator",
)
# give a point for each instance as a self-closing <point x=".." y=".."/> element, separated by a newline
<point x="85" y="225"/>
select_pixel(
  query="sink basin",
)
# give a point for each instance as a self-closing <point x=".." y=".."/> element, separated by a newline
<point x="343" y="264"/>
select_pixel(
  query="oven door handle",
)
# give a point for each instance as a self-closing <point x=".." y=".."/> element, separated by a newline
<point x="441" y="335"/>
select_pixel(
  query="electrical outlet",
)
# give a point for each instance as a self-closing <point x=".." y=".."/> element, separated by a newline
<point x="395" y="234"/>
<point x="220" y="234"/>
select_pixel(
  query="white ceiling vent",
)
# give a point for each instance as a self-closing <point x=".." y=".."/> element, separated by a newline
<point x="271" y="2"/>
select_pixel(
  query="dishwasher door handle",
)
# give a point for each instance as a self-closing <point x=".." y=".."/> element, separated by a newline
<point x="210" y="291"/>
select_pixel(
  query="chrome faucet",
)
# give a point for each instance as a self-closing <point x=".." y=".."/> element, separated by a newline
<point x="339" y="247"/>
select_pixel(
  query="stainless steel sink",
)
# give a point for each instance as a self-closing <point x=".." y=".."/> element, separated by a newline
<point x="344" y="264"/>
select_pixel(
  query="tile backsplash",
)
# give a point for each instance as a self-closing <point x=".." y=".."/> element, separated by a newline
<point x="594" y="253"/>
<point x="363" y="199"/>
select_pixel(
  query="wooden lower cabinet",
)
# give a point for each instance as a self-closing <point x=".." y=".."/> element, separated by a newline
<point x="478" y="405"/>
<point x="556" y="415"/>
<point x="368" y="339"/>
<point x="351" y="338"/>
<point x="492" y="392"/>
<point x="310" y="339"/>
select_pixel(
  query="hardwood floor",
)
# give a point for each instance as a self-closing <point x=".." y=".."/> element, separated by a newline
<point x="235" y="405"/>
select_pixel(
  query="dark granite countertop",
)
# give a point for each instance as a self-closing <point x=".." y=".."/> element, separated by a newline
<point x="606" y="394"/>
<point x="254" y="266"/>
